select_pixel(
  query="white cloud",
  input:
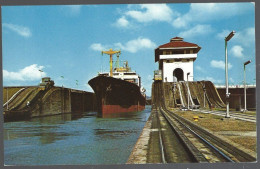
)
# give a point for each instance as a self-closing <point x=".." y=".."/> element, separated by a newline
<point x="29" y="73"/>
<point x="151" y="12"/>
<point x="122" y="22"/>
<point x="137" y="44"/>
<point x="20" y="30"/>
<point x="199" y="68"/>
<point x="237" y="51"/>
<point x="180" y="22"/>
<point x="245" y="37"/>
<point x="74" y="9"/>
<point x="131" y="46"/>
<point x="223" y="34"/>
<point x="198" y="30"/>
<point x="98" y="47"/>
<point x="219" y="64"/>
<point x="202" y="12"/>
<point x="231" y="80"/>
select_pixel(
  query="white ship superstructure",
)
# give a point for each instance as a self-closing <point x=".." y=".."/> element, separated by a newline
<point x="125" y="73"/>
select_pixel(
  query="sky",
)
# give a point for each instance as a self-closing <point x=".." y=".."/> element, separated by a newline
<point x="65" y="41"/>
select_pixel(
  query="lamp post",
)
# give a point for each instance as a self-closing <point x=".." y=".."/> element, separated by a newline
<point x="77" y="83"/>
<point x="188" y="90"/>
<point x="62" y="79"/>
<point x="247" y="62"/>
<point x="226" y="71"/>
<point x="7" y="98"/>
<point x="204" y="94"/>
<point x="41" y="72"/>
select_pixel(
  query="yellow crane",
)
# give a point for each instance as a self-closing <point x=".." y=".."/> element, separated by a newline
<point x="111" y="53"/>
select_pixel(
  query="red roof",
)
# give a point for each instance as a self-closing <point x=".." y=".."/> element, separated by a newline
<point x="177" y="42"/>
<point x="177" y="38"/>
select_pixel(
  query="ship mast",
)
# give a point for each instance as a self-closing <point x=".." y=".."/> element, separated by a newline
<point x="111" y="53"/>
<point x="117" y="60"/>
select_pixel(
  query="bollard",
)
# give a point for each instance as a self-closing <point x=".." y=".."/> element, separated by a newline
<point x="196" y="118"/>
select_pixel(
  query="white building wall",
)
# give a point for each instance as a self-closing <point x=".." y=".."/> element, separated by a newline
<point x="168" y="69"/>
<point x="179" y="56"/>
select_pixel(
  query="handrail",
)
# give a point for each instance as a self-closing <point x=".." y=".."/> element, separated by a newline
<point x="14" y="95"/>
<point x="180" y="94"/>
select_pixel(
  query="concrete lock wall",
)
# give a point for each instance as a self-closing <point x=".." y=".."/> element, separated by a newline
<point x="55" y="101"/>
<point x="176" y="94"/>
<point x="237" y="97"/>
<point x="51" y="101"/>
<point x="82" y="101"/>
<point x="64" y="100"/>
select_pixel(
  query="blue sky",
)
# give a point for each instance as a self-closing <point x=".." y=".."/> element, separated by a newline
<point x="67" y="40"/>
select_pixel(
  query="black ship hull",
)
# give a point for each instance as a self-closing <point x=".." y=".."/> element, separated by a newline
<point x="116" y="95"/>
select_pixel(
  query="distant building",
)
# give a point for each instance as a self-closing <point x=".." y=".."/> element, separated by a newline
<point x="176" y="59"/>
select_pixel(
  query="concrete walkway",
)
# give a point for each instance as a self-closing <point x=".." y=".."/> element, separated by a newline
<point x="240" y="116"/>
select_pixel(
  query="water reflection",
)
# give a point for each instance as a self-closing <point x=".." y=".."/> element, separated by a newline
<point x="87" y="138"/>
<point x="123" y="116"/>
<point x="48" y="128"/>
<point x="108" y="134"/>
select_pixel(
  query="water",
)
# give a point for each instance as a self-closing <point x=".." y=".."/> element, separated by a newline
<point x="74" y="139"/>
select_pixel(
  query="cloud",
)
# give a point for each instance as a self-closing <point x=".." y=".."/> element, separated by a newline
<point x="74" y="9"/>
<point x="231" y="80"/>
<point x="29" y="73"/>
<point x="151" y="12"/>
<point x="20" y="30"/>
<point x="237" y="51"/>
<point x="245" y="37"/>
<point x="122" y="22"/>
<point x="137" y="44"/>
<point x="202" y="12"/>
<point x="98" y="47"/>
<point x="223" y="34"/>
<point x="219" y="64"/>
<point x="131" y="46"/>
<point x="198" y="30"/>
<point x="199" y="68"/>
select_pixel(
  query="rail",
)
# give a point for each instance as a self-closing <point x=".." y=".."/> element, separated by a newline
<point x="180" y="95"/>
<point x="220" y="154"/>
<point x="189" y="95"/>
<point x="193" y="138"/>
<point x="16" y="94"/>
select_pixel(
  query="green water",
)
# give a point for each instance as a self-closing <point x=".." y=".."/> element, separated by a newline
<point x="74" y="139"/>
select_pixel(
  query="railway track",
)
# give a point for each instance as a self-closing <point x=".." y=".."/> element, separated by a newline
<point x="184" y="144"/>
<point x="181" y="141"/>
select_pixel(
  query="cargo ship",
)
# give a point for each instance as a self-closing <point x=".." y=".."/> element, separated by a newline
<point x="119" y="90"/>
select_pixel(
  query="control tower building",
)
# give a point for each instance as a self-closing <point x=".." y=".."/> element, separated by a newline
<point x="176" y="59"/>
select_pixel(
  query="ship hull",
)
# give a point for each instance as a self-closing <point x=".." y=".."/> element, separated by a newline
<point x="116" y="95"/>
